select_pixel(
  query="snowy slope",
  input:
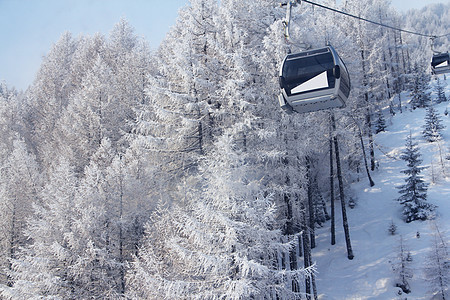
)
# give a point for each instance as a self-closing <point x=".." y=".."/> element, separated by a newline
<point x="369" y="275"/>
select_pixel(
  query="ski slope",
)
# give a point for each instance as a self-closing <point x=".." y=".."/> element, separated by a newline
<point x="369" y="275"/>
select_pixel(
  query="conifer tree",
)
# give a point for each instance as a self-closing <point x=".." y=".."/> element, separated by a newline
<point x="420" y="97"/>
<point x="433" y="125"/>
<point x="439" y="89"/>
<point x="414" y="192"/>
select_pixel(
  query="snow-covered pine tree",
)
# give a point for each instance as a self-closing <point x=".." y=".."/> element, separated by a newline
<point x="414" y="192"/>
<point x="420" y="96"/>
<point x="42" y="267"/>
<point x="82" y="126"/>
<point x="72" y="253"/>
<point x="19" y="188"/>
<point x="433" y="125"/>
<point x="249" y="69"/>
<point x="48" y="96"/>
<point x="439" y="89"/>
<point x="128" y="59"/>
<point x="95" y="266"/>
<point x="392" y="228"/>
<point x="175" y="125"/>
<point x="127" y="207"/>
<point x="221" y="245"/>
<point x="437" y="267"/>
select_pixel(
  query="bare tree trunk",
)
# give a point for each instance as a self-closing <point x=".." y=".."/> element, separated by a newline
<point x="321" y="201"/>
<point x="307" y="255"/>
<point x="12" y="243"/>
<point x="200" y="137"/>
<point x="121" y="255"/>
<point x="333" y="227"/>
<point x="300" y="250"/>
<point x="341" y="193"/>
<point x="314" y="287"/>
<point x="310" y="281"/>
<point x="368" y="118"/>
<point x="371" y="183"/>
<point x="388" y="86"/>
<point x="311" y="220"/>
<point x="289" y="231"/>
<point x="405" y="68"/>
<point x="369" y="131"/>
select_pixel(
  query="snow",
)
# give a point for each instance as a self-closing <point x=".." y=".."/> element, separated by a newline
<point x="369" y="275"/>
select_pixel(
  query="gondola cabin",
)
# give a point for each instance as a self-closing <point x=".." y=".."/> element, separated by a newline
<point x="313" y="80"/>
<point x="440" y="63"/>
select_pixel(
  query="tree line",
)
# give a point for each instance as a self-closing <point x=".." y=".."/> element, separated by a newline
<point x="173" y="174"/>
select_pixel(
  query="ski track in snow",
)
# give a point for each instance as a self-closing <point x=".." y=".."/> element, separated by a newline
<point x="369" y="275"/>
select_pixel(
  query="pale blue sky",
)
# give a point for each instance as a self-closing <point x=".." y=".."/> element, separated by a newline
<point x="28" y="28"/>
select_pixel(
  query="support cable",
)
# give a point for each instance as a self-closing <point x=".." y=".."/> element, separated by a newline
<point x="374" y="22"/>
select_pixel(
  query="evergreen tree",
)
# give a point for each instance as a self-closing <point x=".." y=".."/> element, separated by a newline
<point x="420" y="96"/>
<point x="392" y="228"/>
<point x="439" y="89"/>
<point x="433" y="125"/>
<point x="414" y="193"/>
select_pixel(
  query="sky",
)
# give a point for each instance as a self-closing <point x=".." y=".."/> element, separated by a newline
<point x="28" y="28"/>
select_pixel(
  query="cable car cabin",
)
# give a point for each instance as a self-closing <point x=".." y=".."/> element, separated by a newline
<point x="440" y="63"/>
<point x="313" y="80"/>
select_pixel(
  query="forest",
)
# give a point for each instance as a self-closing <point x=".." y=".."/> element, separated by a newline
<point x="131" y="173"/>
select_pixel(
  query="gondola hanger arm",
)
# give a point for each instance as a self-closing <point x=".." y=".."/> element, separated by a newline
<point x="287" y="21"/>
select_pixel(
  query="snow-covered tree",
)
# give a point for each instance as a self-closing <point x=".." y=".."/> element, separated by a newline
<point x="433" y="125"/>
<point x="95" y="267"/>
<point x="380" y="122"/>
<point x="392" y="229"/>
<point x="437" y="267"/>
<point x="439" y="89"/>
<point x="84" y="123"/>
<point x="42" y="268"/>
<point x="401" y="267"/>
<point x="222" y="244"/>
<point x="48" y="97"/>
<point x="420" y="96"/>
<point x="414" y="192"/>
<point x="175" y="126"/>
<point x="72" y="251"/>
<point x="19" y="188"/>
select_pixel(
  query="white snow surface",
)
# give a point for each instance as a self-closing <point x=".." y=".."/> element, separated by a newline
<point x="369" y="275"/>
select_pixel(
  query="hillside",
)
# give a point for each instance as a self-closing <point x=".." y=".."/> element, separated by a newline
<point x="369" y="275"/>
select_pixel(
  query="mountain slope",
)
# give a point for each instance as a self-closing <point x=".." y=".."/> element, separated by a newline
<point x="369" y="275"/>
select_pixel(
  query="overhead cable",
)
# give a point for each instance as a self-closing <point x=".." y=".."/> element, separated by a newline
<point x="374" y="22"/>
